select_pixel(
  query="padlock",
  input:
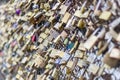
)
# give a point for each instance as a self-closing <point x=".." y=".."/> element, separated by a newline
<point x="98" y="33"/>
<point x="80" y="12"/>
<point x="81" y="47"/>
<point x="115" y="53"/>
<point x="66" y="17"/>
<point x="79" y="54"/>
<point x="63" y="9"/>
<point x="53" y="33"/>
<point x="70" y="45"/>
<point x="111" y="62"/>
<point x="43" y="35"/>
<point x="47" y="31"/>
<point x="40" y="62"/>
<point x="45" y="43"/>
<point x="46" y="6"/>
<point x="93" y="68"/>
<point x="105" y="15"/>
<point x="81" y="24"/>
<point x="64" y="34"/>
<point x="66" y="41"/>
<point x="60" y="54"/>
<point x="77" y="13"/>
<point x="70" y="64"/>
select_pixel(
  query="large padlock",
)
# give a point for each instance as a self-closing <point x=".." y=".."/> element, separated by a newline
<point x="98" y="33"/>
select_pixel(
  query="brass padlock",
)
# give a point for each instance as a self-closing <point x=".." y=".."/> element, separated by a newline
<point x="81" y="24"/>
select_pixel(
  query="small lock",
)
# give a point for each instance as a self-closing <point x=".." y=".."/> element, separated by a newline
<point x="81" y="24"/>
<point x="46" y="6"/>
<point x="105" y="15"/>
<point x="115" y="53"/>
<point x="93" y="68"/>
<point x="66" y="17"/>
<point x="63" y="9"/>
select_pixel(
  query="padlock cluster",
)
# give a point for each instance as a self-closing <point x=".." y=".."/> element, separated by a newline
<point x="60" y="40"/>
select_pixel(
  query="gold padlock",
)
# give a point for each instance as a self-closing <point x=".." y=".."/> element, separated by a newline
<point x="81" y="24"/>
